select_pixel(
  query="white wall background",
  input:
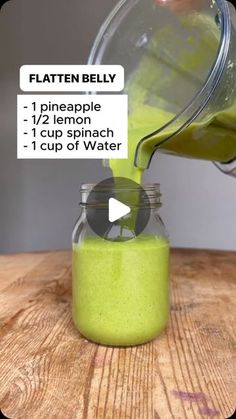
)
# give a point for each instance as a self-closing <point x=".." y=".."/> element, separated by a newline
<point x="38" y="199"/>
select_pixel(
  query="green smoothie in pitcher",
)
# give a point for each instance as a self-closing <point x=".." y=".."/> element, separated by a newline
<point x="211" y="136"/>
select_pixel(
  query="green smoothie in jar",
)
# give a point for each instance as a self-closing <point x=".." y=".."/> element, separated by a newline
<point x="120" y="289"/>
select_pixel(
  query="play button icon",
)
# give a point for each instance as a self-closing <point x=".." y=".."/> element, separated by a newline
<point x="117" y="210"/>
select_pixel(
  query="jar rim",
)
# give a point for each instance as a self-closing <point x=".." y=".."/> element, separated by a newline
<point x="148" y="187"/>
<point x="151" y="196"/>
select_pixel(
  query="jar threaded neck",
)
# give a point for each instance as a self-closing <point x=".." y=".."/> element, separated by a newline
<point x="138" y="197"/>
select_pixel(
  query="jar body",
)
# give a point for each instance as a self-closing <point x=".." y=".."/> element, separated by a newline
<point x="121" y="289"/>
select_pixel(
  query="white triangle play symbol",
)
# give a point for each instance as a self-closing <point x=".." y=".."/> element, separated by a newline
<point x="117" y="210"/>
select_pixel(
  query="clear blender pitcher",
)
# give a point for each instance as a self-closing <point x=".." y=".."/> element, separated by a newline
<point x="180" y="65"/>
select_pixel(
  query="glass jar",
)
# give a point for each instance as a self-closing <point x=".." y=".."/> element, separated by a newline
<point x="120" y="285"/>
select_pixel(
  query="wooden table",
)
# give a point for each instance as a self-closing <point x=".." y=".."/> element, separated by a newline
<point x="47" y="370"/>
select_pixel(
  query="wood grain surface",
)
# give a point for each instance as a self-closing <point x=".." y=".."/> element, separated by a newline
<point x="47" y="370"/>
